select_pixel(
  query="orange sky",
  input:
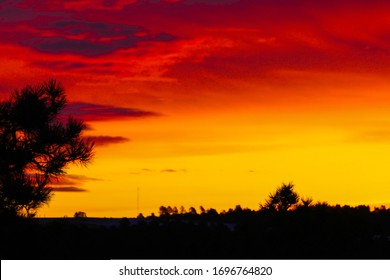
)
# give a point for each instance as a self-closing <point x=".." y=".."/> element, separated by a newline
<point x="211" y="103"/>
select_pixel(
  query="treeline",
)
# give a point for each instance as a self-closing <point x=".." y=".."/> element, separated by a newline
<point x="192" y="212"/>
<point x="316" y="231"/>
<point x="284" y="227"/>
<point x="284" y="199"/>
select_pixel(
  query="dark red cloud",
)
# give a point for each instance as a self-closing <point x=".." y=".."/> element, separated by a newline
<point x="331" y="34"/>
<point x="89" y="38"/>
<point x="68" y="189"/>
<point x="61" y="65"/>
<point x="78" y="5"/>
<point x="68" y="65"/>
<point x="220" y="42"/>
<point x="72" y="180"/>
<point x="71" y="183"/>
<point x="107" y="140"/>
<point x="96" y="112"/>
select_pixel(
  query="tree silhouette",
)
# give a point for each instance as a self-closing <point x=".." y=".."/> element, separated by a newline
<point x="283" y="199"/>
<point x="36" y="145"/>
<point x="80" y="214"/>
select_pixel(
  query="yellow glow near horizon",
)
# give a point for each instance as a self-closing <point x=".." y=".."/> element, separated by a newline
<point x="224" y="162"/>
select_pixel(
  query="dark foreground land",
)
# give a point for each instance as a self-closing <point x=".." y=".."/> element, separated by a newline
<point x="320" y="232"/>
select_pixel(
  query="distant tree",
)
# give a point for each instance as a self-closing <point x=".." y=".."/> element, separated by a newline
<point x="169" y="210"/>
<point x="282" y="200"/>
<point x="212" y="212"/>
<point x="306" y="203"/>
<point x="182" y="210"/>
<point x="80" y="214"/>
<point x="322" y="205"/>
<point x="380" y="209"/>
<point x="192" y="211"/>
<point x="140" y="216"/>
<point x="36" y="145"/>
<point x="163" y="211"/>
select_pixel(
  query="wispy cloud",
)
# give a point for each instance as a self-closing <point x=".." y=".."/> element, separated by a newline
<point x="96" y="112"/>
<point x="170" y="170"/>
<point x="87" y="5"/>
<point x="107" y="140"/>
<point x="62" y="65"/>
<point x="372" y="136"/>
<point x="90" y="38"/>
<point x="68" y="189"/>
<point x="151" y="171"/>
<point x="71" y="183"/>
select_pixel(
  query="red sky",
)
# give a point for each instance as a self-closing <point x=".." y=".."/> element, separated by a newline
<point x="211" y="103"/>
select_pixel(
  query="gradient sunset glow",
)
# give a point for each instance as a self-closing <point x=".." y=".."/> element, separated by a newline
<point x="212" y="103"/>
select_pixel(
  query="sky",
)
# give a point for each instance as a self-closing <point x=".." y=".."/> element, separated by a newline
<point x="208" y="102"/>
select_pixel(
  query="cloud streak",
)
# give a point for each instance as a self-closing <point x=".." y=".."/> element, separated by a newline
<point x="97" y="112"/>
<point x="170" y="170"/>
<point x="108" y="140"/>
<point x="86" y="5"/>
<point x="373" y="136"/>
<point x="91" y="38"/>
<point x="148" y="171"/>
<point x="68" y="189"/>
<point x="71" y="183"/>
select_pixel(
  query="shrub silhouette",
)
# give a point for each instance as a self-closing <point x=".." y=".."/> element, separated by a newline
<point x="36" y="146"/>
<point x="283" y="199"/>
<point x="80" y="214"/>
